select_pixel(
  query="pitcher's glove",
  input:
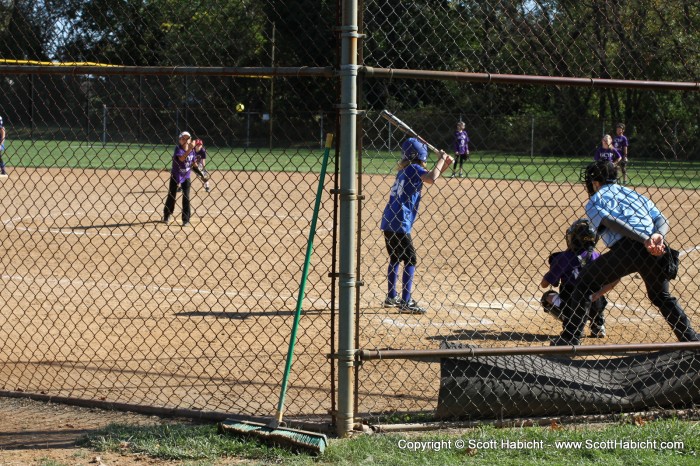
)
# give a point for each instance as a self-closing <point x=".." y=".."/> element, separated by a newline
<point x="201" y="173"/>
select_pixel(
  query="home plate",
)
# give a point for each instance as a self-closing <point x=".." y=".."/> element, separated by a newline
<point x="485" y="305"/>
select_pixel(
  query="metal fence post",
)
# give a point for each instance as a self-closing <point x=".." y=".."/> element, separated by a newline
<point x="348" y="199"/>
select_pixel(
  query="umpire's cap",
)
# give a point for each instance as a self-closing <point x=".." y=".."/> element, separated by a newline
<point x="413" y="149"/>
<point x="602" y="171"/>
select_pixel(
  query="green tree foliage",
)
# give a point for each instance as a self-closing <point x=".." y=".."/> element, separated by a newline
<point x="611" y="39"/>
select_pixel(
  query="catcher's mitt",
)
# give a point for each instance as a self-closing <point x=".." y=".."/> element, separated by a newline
<point x="550" y="308"/>
<point x="202" y="173"/>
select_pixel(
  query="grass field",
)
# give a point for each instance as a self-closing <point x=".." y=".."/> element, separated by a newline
<point x="483" y="165"/>
<point x="658" y="442"/>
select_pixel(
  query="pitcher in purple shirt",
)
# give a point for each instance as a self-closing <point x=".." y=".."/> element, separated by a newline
<point x="183" y="158"/>
<point x="461" y="147"/>
<point x="607" y="152"/>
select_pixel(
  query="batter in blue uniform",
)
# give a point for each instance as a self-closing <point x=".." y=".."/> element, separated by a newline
<point x="399" y="215"/>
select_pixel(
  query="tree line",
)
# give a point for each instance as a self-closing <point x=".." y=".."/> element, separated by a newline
<point x="615" y="39"/>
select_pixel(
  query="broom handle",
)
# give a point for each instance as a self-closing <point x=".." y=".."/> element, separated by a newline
<point x="304" y="275"/>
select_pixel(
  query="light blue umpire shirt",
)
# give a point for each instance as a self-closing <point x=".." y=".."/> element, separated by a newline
<point x="624" y="204"/>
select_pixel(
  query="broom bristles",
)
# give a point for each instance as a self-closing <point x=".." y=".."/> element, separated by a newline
<point x="297" y="439"/>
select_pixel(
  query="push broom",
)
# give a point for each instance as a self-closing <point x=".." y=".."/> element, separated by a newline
<point x="274" y="432"/>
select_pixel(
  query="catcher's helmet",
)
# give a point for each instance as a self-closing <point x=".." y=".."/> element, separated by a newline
<point x="581" y="235"/>
<point x="413" y="149"/>
<point x="602" y="171"/>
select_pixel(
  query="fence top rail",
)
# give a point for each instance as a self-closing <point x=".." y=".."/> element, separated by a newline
<point x="329" y="72"/>
<point x="368" y="355"/>
<point x="489" y="78"/>
<point x="109" y="70"/>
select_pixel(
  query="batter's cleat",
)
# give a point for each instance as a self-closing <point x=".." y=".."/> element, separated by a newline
<point x="392" y="302"/>
<point x="598" y="331"/>
<point x="411" y="307"/>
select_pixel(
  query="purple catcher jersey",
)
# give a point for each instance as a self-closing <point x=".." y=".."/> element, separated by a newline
<point x="611" y="155"/>
<point x="402" y="208"/>
<point x="181" y="170"/>
<point x="565" y="266"/>
<point x="461" y="142"/>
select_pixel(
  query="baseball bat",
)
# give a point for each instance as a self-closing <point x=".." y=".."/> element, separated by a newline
<point x="394" y="120"/>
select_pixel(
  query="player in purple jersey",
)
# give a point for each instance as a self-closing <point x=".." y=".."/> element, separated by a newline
<point x="461" y="147"/>
<point x="200" y="153"/>
<point x="606" y="151"/>
<point x="565" y="268"/>
<point x="2" y="148"/>
<point x="183" y="158"/>
<point x="621" y="143"/>
<point x="398" y="217"/>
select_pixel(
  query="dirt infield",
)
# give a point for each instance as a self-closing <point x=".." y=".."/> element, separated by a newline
<point x="103" y="301"/>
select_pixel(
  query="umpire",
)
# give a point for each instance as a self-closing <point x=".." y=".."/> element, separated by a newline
<point x="633" y="229"/>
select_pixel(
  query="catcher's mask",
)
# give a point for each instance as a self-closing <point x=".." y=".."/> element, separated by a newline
<point x="602" y="171"/>
<point x="581" y="235"/>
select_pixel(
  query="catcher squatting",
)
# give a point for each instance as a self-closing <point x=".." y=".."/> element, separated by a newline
<point x="565" y="268"/>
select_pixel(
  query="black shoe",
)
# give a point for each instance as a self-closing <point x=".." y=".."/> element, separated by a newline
<point x="185" y="224"/>
<point x="598" y="331"/>
<point x="166" y="219"/>
<point x="411" y="307"/>
<point x="561" y="341"/>
<point x="392" y="302"/>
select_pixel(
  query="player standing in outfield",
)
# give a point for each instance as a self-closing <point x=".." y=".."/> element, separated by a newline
<point x="621" y="143"/>
<point x="2" y="148"/>
<point x="565" y="268"/>
<point x="633" y="229"/>
<point x="183" y="158"/>
<point x="201" y="158"/>
<point x="606" y="151"/>
<point x="461" y="145"/>
<point x="399" y="215"/>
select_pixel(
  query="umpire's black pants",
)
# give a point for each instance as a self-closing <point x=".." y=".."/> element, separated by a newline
<point x="625" y="257"/>
<point x="170" y="201"/>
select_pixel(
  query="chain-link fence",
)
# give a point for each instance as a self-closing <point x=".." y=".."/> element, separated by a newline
<point x="101" y="300"/>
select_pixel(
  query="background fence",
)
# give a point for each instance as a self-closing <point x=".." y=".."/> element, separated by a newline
<point x="101" y="301"/>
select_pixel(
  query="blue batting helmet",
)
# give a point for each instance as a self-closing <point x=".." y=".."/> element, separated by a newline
<point x="413" y="149"/>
